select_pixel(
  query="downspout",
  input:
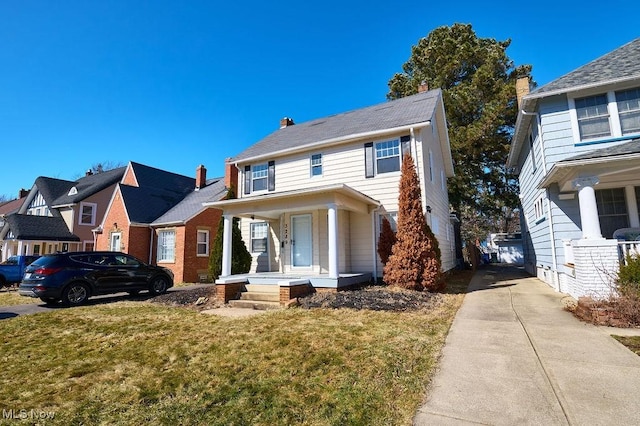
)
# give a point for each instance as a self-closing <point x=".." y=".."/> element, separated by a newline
<point x="554" y="257"/>
<point x="375" y="242"/>
<point x="151" y="244"/>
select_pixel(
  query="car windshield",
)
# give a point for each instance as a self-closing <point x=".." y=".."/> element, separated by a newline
<point x="13" y="260"/>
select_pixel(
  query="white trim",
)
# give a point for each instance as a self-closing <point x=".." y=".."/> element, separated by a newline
<point x="94" y="212"/>
<point x="207" y="242"/>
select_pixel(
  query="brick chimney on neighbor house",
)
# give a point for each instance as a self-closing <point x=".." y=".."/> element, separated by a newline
<point x="522" y="89"/>
<point x="201" y="176"/>
<point x="423" y="87"/>
<point x="23" y="193"/>
<point x="230" y="174"/>
<point x="286" y="122"/>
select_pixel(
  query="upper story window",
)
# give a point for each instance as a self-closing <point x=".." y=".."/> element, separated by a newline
<point x="628" y="102"/>
<point x="260" y="177"/>
<point x="593" y="117"/>
<point x="259" y="174"/>
<point x="385" y="156"/>
<point x="87" y="214"/>
<point x="388" y="156"/>
<point x="316" y="165"/>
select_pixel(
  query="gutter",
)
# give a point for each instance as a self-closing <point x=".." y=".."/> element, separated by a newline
<point x="334" y="141"/>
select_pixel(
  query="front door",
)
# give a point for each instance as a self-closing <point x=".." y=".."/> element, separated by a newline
<point x="301" y="240"/>
<point x="115" y="241"/>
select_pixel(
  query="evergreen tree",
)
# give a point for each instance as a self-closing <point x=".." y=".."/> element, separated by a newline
<point x="240" y="256"/>
<point x="386" y="241"/>
<point x="477" y="79"/>
<point x="413" y="263"/>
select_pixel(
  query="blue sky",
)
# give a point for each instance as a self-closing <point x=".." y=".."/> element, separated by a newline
<point x="175" y="84"/>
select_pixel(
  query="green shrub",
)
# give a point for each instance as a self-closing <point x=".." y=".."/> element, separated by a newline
<point x="629" y="275"/>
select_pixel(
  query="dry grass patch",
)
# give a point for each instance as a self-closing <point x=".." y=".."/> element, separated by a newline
<point x="10" y="297"/>
<point x="135" y="363"/>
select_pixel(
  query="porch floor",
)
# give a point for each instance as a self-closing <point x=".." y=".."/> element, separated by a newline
<point x="316" y="280"/>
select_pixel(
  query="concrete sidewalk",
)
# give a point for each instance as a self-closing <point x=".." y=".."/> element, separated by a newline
<point x="514" y="356"/>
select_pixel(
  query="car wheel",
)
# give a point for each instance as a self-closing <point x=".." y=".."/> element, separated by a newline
<point x="75" y="294"/>
<point x="159" y="285"/>
<point x="49" y="300"/>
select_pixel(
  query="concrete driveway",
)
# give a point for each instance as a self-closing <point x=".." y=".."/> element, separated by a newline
<point x="515" y="356"/>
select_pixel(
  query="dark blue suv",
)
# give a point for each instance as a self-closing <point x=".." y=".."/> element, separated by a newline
<point x="75" y="276"/>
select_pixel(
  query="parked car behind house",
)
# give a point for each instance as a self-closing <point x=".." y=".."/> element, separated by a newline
<point x="76" y="276"/>
<point x="12" y="269"/>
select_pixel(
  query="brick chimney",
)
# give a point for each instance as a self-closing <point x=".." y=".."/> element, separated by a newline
<point x="23" y="193"/>
<point x="522" y="89"/>
<point x="423" y="87"/>
<point x="286" y="122"/>
<point x="230" y="174"/>
<point x="201" y="177"/>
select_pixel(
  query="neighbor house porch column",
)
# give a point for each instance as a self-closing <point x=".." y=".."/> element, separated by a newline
<point x="588" y="206"/>
<point x="333" y="240"/>
<point x="226" y="245"/>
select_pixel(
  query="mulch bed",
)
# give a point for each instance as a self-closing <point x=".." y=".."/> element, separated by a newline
<point x="376" y="298"/>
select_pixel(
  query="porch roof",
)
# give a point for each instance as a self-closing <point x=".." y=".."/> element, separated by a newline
<point x="271" y="206"/>
<point x="619" y="164"/>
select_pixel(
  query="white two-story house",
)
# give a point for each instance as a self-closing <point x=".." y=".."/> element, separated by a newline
<point x="576" y="148"/>
<point x="311" y="195"/>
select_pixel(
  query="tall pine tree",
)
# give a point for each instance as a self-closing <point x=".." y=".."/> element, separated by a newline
<point x="413" y="263"/>
<point x="477" y="79"/>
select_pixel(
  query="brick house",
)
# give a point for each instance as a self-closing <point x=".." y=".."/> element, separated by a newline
<point x="159" y="217"/>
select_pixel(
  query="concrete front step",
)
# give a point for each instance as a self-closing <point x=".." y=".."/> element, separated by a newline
<point x="261" y="297"/>
<point x="262" y="288"/>
<point x="254" y="304"/>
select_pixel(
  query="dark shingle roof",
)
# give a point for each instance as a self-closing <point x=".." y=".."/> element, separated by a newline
<point x="388" y="115"/>
<point x="192" y="203"/>
<point x="11" y="206"/>
<point x="624" y="62"/>
<point x="631" y="147"/>
<point x="89" y="185"/>
<point x="156" y="193"/>
<point x="45" y="228"/>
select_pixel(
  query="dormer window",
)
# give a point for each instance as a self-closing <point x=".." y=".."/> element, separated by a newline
<point x="73" y="191"/>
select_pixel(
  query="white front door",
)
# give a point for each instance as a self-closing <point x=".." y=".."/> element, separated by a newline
<point x="301" y="240"/>
<point x="115" y="241"/>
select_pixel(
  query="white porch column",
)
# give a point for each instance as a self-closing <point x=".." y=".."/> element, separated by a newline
<point x="226" y="245"/>
<point x="588" y="206"/>
<point x="333" y="240"/>
<point x="632" y="206"/>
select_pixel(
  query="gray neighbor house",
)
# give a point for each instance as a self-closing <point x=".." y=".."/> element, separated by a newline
<point x="576" y="149"/>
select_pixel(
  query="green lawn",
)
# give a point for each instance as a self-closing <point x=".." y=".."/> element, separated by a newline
<point x="631" y="342"/>
<point x="136" y="362"/>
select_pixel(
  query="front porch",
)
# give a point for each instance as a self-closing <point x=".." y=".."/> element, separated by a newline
<point x="289" y="286"/>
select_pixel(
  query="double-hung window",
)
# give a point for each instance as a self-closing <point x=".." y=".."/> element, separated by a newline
<point x="259" y="232"/>
<point x="612" y="210"/>
<point x="202" y="248"/>
<point x="593" y="117"/>
<point x="87" y="213"/>
<point x="259" y="175"/>
<point x="316" y="165"/>
<point x="166" y="245"/>
<point x="388" y="156"/>
<point x="629" y="110"/>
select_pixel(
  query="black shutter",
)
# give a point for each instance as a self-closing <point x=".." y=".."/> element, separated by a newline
<point x="247" y="179"/>
<point x="368" y="160"/>
<point x="405" y="141"/>
<point x="271" y="179"/>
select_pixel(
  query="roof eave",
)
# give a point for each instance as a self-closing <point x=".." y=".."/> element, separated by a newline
<point x="334" y="141"/>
